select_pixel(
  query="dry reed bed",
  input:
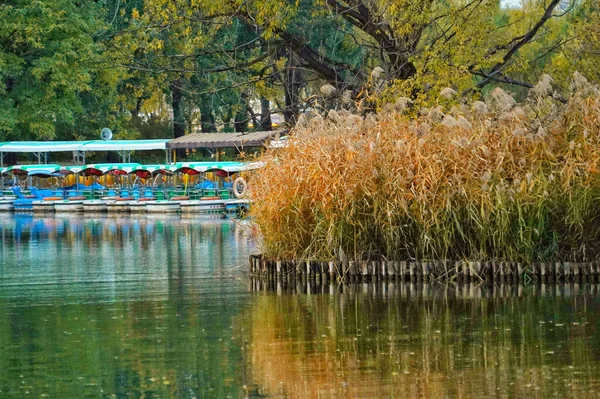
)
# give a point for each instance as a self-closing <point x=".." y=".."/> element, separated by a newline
<point x="494" y="181"/>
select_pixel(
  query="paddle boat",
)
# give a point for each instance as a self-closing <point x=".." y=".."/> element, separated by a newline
<point x="42" y="206"/>
<point x="137" y="206"/>
<point x="118" y="205"/>
<point x="69" y="205"/>
<point x="203" y="206"/>
<point x="6" y="204"/>
<point x="186" y="187"/>
<point x="165" y="206"/>
<point x="238" y="206"/>
<point x="94" y="206"/>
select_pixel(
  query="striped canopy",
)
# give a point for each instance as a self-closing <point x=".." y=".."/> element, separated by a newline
<point x="99" y="169"/>
<point x="146" y="171"/>
<point x="25" y="169"/>
<point x="68" y="170"/>
<point x="194" y="168"/>
<point x="188" y="168"/>
<point x="43" y="173"/>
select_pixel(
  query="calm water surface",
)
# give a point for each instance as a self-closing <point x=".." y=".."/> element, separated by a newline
<point x="161" y="308"/>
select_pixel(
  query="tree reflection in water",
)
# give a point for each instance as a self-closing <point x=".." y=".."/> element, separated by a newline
<point x="120" y="306"/>
<point x="415" y="340"/>
<point x="158" y="307"/>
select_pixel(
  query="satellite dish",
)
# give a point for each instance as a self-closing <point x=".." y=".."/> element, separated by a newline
<point x="106" y="134"/>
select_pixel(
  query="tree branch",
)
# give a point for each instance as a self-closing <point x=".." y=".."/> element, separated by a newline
<point x="316" y="61"/>
<point x="526" y="38"/>
<point x="358" y="14"/>
<point x="504" y="79"/>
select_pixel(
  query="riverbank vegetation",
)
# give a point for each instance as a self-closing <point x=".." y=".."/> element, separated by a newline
<point x="493" y="180"/>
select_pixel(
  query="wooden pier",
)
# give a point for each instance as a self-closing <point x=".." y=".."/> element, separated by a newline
<point x="424" y="271"/>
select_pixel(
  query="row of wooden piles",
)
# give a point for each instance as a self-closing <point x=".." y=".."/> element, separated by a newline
<point x="463" y="271"/>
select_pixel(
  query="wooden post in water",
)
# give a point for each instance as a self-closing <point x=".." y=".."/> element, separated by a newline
<point x="575" y="272"/>
<point x="321" y="272"/>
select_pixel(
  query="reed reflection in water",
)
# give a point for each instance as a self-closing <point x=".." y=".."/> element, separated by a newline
<point x="160" y="307"/>
<point x="421" y="340"/>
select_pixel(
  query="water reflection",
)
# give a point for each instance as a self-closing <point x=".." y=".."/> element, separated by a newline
<point x="143" y="254"/>
<point x="120" y="307"/>
<point x="159" y="307"/>
<point x="416" y="340"/>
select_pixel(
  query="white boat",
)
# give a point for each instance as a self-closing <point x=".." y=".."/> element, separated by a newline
<point x="238" y="206"/>
<point x="117" y="206"/>
<point x="137" y="207"/>
<point x="42" y="206"/>
<point x="203" y="216"/>
<point x="162" y="206"/>
<point x="94" y="206"/>
<point x="203" y="206"/>
<point x="6" y="205"/>
<point x="68" y="206"/>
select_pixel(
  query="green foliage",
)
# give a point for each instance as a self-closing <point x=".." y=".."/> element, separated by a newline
<point x="52" y="68"/>
<point x="68" y="68"/>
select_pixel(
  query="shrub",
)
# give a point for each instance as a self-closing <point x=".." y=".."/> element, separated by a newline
<point x="494" y="181"/>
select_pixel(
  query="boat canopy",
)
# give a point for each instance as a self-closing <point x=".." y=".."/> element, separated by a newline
<point x="90" y="145"/>
<point x="41" y="146"/>
<point x="67" y="170"/>
<point x="26" y="169"/>
<point x="43" y="173"/>
<point x="194" y="168"/>
<point x="253" y="165"/>
<point x="221" y="169"/>
<point x="188" y="168"/>
<point x="125" y="145"/>
<point x="224" y="169"/>
<point x="110" y="168"/>
<point x="145" y="171"/>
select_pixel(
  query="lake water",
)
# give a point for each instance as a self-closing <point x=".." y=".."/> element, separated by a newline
<point x="160" y="307"/>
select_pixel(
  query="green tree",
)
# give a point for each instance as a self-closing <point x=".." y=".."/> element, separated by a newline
<point x="53" y="69"/>
<point x="415" y="47"/>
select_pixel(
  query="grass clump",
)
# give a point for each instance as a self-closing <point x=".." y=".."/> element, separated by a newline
<point x="490" y="181"/>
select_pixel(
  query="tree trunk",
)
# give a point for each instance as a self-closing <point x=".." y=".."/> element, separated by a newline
<point x="241" y="118"/>
<point x="178" y="113"/>
<point x="227" y="120"/>
<point x="112" y="157"/>
<point x="10" y="158"/>
<point x="138" y="108"/>
<point x="265" y="115"/>
<point x="207" y="119"/>
<point x="292" y="85"/>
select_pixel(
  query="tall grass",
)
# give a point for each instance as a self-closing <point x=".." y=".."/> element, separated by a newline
<point x="494" y="181"/>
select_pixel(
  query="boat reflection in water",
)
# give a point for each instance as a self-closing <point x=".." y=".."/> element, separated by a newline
<point x="120" y="306"/>
<point x="156" y="306"/>
<point x="146" y="251"/>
